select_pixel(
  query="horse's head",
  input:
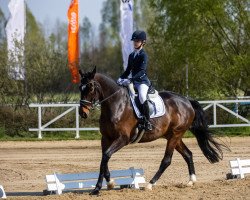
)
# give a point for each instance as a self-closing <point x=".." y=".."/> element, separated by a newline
<point x="89" y="89"/>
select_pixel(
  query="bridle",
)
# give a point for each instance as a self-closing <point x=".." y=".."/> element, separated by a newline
<point x="95" y="102"/>
<point x="89" y="104"/>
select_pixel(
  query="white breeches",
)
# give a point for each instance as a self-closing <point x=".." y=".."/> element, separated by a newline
<point x="142" y="91"/>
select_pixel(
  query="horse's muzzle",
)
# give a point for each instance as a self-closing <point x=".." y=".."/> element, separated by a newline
<point x="84" y="112"/>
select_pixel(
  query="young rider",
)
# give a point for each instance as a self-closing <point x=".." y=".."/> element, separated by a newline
<point x="137" y="64"/>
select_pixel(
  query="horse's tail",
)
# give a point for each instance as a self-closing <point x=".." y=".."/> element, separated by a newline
<point x="209" y="146"/>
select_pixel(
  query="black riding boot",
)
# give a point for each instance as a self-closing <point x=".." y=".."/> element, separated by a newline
<point x="147" y="124"/>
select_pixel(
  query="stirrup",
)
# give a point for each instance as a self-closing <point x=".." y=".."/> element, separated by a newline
<point x="145" y="124"/>
<point x="148" y="126"/>
<point x="141" y="125"/>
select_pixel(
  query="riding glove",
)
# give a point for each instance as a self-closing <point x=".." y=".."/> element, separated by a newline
<point x="119" y="81"/>
<point x="124" y="82"/>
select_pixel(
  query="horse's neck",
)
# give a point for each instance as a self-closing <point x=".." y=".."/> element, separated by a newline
<point x="109" y="87"/>
<point x="113" y="100"/>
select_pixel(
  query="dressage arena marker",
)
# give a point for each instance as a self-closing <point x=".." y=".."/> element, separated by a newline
<point x="2" y="193"/>
<point x="240" y="167"/>
<point x="67" y="182"/>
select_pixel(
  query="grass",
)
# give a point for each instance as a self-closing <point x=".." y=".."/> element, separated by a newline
<point x="53" y="136"/>
<point x="221" y="132"/>
<point x="84" y="135"/>
<point x="96" y="135"/>
<point x="237" y="131"/>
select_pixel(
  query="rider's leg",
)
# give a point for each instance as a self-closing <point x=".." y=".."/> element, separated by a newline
<point x="147" y="116"/>
<point x="142" y="91"/>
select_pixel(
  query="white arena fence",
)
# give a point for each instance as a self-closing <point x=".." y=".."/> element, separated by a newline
<point x="222" y="104"/>
<point x="74" y="107"/>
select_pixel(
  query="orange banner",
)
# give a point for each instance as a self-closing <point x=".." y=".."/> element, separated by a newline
<point x="73" y="41"/>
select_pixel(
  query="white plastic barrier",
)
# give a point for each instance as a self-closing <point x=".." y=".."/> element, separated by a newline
<point x="67" y="182"/>
<point x="240" y="167"/>
<point x="2" y="193"/>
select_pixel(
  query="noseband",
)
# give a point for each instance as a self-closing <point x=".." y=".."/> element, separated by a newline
<point x="86" y="103"/>
<point x="89" y="104"/>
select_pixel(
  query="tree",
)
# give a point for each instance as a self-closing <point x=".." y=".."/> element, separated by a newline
<point x="208" y="36"/>
<point x="109" y="52"/>
<point x="45" y="61"/>
<point x="230" y="26"/>
<point x="2" y="25"/>
<point x="88" y="45"/>
<point x="87" y="35"/>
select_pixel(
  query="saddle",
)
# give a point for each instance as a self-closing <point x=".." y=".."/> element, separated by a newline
<point x="152" y="92"/>
<point x="156" y="105"/>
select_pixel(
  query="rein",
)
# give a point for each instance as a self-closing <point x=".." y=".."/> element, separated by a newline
<point x="93" y="104"/>
<point x="100" y="102"/>
<point x="96" y="103"/>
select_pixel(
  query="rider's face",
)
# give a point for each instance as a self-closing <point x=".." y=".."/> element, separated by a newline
<point x="137" y="43"/>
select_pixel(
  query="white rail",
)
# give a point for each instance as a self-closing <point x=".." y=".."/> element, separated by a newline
<point x="218" y="103"/>
<point x="73" y="107"/>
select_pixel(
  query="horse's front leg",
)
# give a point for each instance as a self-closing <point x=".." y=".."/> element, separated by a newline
<point x="103" y="171"/>
<point x="108" y="151"/>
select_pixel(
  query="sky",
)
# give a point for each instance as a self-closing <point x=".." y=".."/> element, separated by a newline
<point x="51" y="10"/>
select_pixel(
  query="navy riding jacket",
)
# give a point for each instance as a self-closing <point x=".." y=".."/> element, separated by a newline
<point x="138" y="66"/>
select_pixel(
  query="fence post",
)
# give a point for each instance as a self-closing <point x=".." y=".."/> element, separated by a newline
<point x="215" y="117"/>
<point x="240" y="169"/>
<point x="77" y="123"/>
<point x="39" y="122"/>
<point x="58" y="185"/>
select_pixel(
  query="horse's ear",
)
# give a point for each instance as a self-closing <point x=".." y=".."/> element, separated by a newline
<point x="93" y="72"/>
<point x="80" y="72"/>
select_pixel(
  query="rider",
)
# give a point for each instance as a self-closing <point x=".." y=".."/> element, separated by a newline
<point x="137" y="64"/>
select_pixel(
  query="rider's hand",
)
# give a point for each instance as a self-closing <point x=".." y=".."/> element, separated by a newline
<point x="119" y="81"/>
<point x="126" y="82"/>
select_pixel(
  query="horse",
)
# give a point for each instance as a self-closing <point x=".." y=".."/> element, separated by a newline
<point x="118" y="125"/>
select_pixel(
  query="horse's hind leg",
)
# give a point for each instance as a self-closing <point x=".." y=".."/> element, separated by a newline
<point x="188" y="157"/>
<point x="166" y="161"/>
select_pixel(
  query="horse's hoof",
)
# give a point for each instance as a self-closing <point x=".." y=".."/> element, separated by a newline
<point x="190" y="183"/>
<point x="111" y="184"/>
<point x="149" y="187"/>
<point x="95" y="192"/>
<point x="192" y="180"/>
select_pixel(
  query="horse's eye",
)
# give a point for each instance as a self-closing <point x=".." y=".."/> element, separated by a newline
<point x="92" y="88"/>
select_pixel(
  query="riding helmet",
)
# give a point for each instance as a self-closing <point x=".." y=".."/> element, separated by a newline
<point x="139" y="35"/>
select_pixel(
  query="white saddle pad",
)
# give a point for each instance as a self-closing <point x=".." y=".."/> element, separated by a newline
<point x="158" y="106"/>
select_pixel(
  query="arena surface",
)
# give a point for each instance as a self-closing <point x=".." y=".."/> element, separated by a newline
<point x="23" y="166"/>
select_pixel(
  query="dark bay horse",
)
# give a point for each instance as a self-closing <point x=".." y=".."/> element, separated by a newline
<point x="118" y="125"/>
